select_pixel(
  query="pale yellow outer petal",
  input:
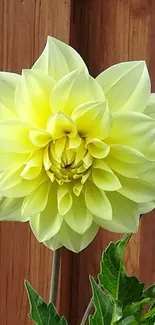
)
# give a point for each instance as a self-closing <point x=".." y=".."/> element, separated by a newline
<point x="8" y="82"/>
<point x="150" y="108"/>
<point x="11" y="132"/>
<point x="79" y="218"/>
<point x="137" y="190"/>
<point x="72" y="240"/>
<point x="33" y="97"/>
<point x="10" y="210"/>
<point x="98" y="119"/>
<point x="97" y="201"/>
<point x="12" y="185"/>
<point x="52" y="243"/>
<point x="146" y="207"/>
<point x="9" y="159"/>
<point x="58" y="59"/>
<point x="64" y="199"/>
<point x="47" y="223"/>
<point x="103" y="177"/>
<point x="126" y="86"/>
<point x="125" y="217"/>
<point x="36" y="201"/>
<point x="76" y="88"/>
<point x="128" y="161"/>
<point x="149" y="176"/>
<point x="132" y="129"/>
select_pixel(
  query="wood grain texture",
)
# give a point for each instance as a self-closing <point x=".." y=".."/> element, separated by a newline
<point x="24" y="26"/>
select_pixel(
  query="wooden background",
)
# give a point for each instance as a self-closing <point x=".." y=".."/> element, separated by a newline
<point x="104" y="32"/>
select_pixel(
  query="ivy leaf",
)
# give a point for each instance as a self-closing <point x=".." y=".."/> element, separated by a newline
<point x="40" y="312"/>
<point x="114" y="279"/>
<point x="107" y="311"/>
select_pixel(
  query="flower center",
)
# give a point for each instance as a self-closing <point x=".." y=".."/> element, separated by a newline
<point x="66" y="159"/>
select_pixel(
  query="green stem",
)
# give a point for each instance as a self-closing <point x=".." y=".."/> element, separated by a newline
<point x="88" y="312"/>
<point x="55" y="276"/>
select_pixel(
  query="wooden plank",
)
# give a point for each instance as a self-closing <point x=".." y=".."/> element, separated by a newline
<point x="24" y="26"/>
<point x="105" y="33"/>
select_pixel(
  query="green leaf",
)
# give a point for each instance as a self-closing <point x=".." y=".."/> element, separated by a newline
<point x="130" y="320"/>
<point x="114" y="279"/>
<point x="104" y="306"/>
<point x="150" y="292"/>
<point x="122" y="243"/>
<point x="40" y="312"/>
<point x="120" y="299"/>
<point x="135" y="308"/>
<point x="107" y="310"/>
<point x="149" y="314"/>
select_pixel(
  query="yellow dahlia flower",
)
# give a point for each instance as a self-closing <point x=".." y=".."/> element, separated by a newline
<point x="76" y="153"/>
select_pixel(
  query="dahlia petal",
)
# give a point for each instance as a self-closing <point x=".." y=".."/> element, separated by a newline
<point x="64" y="199"/>
<point x="10" y="177"/>
<point x="88" y="160"/>
<point x="9" y="159"/>
<point x="132" y="129"/>
<point x="46" y="160"/>
<point x="126" y="86"/>
<point x="44" y="225"/>
<point x="76" y="88"/>
<point x="60" y="125"/>
<point x="52" y="243"/>
<point x="6" y="114"/>
<point x="149" y="152"/>
<point x="127" y="154"/>
<point x="75" y="142"/>
<point x="47" y="223"/>
<point x="79" y="218"/>
<point x="75" y="241"/>
<point x="33" y="166"/>
<point x="58" y="59"/>
<point x="127" y="161"/>
<point x="10" y="210"/>
<point x="146" y="207"/>
<point x="150" y="108"/>
<point x="149" y="176"/>
<point x="80" y="152"/>
<point x="137" y="190"/>
<point x="8" y="82"/>
<point x="97" y="148"/>
<point x="33" y="97"/>
<point x="77" y="188"/>
<point x="60" y="146"/>
<point x="98" y="119"/>
<point x="97" y="202"/>
<point x="12" y="185"/>
<point x="36" y="201"/>
<point x="40" y="138"/>
<point x="104" y="178"/>
<point x="125" y="217"/>
<point x="132" y="170"/>
<point x="11" y="132"/>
